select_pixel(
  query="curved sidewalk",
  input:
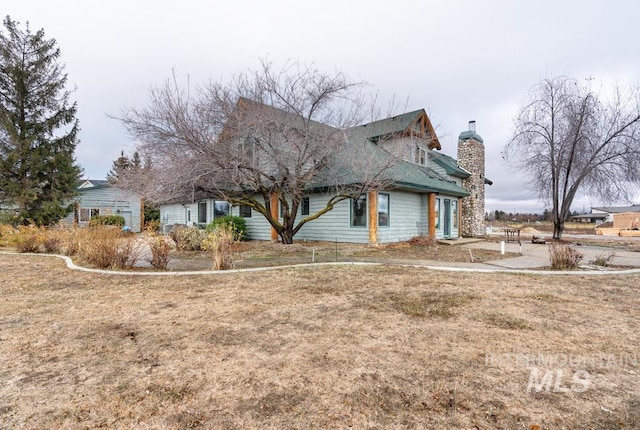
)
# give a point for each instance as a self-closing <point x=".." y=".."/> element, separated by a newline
<point x="488" y="267"/>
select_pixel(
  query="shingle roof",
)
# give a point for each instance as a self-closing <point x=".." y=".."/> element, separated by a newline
<point x="422" y="178"/>
<point x="618" y="209"/>
<point x="398" y="124"/>
<point x="85" y="184"/>
<point x="449" y="164"/>
<point x="394" y="124"/>
<point x="405" y="174"/>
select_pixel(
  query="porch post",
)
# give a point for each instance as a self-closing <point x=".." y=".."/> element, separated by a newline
<point x="372" y="203"/>
<point x="273" y="203"/>
<point x="432" y="215"/>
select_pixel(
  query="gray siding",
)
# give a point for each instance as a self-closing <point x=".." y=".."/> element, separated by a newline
<point x="177" y="214"/>
<point x="408" y="218"/>
<point x="407" y="214"/>
<point x="332" y="225"/>
<point x="110" y="200"/>
<point x="257" y="226"/>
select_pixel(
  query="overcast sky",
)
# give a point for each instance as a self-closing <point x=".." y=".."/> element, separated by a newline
<point x="459" y="60"/>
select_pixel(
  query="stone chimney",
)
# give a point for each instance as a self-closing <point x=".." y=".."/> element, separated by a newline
<point x="471" y="158"/>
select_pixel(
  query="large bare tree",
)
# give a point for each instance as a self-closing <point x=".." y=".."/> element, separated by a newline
<point x="571" y="140"/>
<point x="269" y="132"/>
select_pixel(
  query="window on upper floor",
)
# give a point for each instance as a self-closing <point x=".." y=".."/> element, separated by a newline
<point x="420" y="156"/>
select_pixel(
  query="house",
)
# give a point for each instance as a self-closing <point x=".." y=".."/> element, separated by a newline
<point x="100" y="197"/>
<point x="606" y="213"/>
<point x="597" y="218"/>
<point x="429" y="194"/>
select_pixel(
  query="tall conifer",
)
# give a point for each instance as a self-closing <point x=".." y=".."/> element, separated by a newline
<point x="38" y="127"/>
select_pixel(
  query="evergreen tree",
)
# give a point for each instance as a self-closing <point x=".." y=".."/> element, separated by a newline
<point x="126" y="169"/>
<point x="123" y="165"/>
<point x="38" y="127"/>
<point x="120" y="165"/>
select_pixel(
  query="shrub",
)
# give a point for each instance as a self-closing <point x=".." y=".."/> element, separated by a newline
<point x="238" y="226"/>
<point x="564" y="257"/>
<point x="117" y="220"/>
<point x="9" y="217"/>
<point x="187" y="238"/>
<point x="28" y="239"/>
<point x="159" y="252"/>
<point x="604" y="259"/>
<point x="6" y="234"/>
<point x="105" y="248"/>
<point x="71" y="239"/>
<point x="53" y="242"/>
<point x="152" y="226"/>
<point x="219" y="243"/>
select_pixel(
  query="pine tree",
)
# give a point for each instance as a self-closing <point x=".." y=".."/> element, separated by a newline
<point x="120" y="165"/>
<point x="123" y="165"/>
<point x="38" y="127"/>
<point x="125" y="169"/>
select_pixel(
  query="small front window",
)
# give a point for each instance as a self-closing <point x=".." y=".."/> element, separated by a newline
<point x="86" y="214"/>
<point x="221" y="208"/>
<point x="304" y="210"/>
<point x="359" y="212"/>
<point x="245" y="211"/>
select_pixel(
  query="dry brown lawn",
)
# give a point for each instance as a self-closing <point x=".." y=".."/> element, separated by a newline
<point x="263" y="254"/>
<point x="328" y="347"/>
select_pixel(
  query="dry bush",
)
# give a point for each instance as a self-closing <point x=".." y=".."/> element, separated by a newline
<point x="187" y="238"/>
<point x="160" y="248"/>
<point x="53" y="242"/>
<point x="564" y="257"/>
<point x="604" y="259"/>
<point x="152" y="226"/>
<point x="107" y="247"/>
<point x="6" y="234"/>
<point x="219" y="242"/>
<point x="29" y="239"/>
<point x="71" y="239"/>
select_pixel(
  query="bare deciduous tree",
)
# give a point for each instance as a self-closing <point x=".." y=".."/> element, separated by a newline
<point x="571" y="140"/>
<point x="267" y="133"/>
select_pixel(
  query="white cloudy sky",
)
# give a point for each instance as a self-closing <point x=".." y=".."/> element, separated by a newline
<point x="458" y="59"/>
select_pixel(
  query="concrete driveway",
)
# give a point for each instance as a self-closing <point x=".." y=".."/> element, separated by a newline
<point x="535" y="256"/>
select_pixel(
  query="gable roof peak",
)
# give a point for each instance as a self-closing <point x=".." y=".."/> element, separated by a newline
<point x="414" y="123"/>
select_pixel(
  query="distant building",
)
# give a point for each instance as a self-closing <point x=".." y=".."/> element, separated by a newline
<point x="608" y="212"/>
<point x="100" y="197"/>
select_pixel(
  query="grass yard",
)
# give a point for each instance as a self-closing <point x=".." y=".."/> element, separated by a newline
<point x="338" y="347"/>
<point x="263" y="254"/>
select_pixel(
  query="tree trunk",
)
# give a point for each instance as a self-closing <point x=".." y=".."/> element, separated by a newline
<point x="287" y="236"/>
<point x="558" y="227"/>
